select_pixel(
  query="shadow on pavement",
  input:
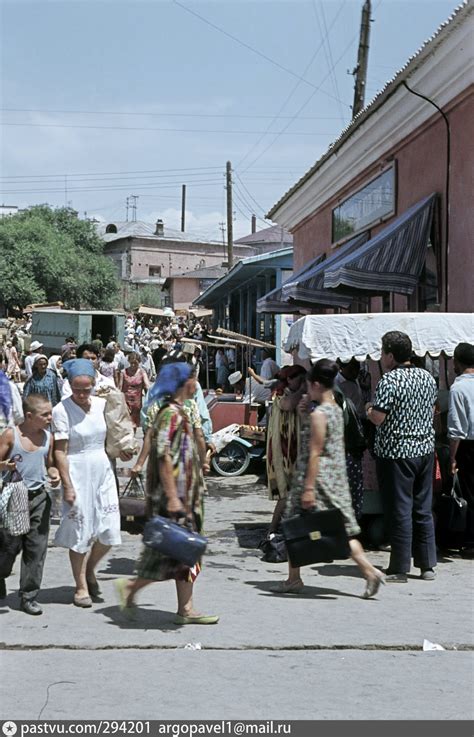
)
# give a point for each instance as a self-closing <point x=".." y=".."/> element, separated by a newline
<point x="309" y="592"/>
<point x="143" y="618"/>
<point x="120" y="566"/>
<point x="334" y="569"/>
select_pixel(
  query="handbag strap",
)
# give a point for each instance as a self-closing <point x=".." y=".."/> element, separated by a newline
<point x="455" y="492"/>
<point x="134" y="484"/>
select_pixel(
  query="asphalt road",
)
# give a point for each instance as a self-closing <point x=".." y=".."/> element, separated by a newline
<point x="324" y="654"/>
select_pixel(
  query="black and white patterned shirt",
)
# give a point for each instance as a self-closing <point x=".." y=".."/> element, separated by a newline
<point x="407" y="396"/>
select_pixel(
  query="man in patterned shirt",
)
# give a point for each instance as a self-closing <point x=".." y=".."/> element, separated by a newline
<point x="402" y="411"/>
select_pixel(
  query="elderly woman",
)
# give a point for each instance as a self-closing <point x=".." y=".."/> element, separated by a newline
<point x="173" y="490"/>
<point x="91" y="519"/>
<point x="43" y="381"/>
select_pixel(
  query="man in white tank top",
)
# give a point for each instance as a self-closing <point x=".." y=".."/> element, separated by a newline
<point x="29" y="449"/>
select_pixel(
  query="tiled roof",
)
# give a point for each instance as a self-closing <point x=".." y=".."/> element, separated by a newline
<point x="273" y="234"/>
<point x="427" y="48"/>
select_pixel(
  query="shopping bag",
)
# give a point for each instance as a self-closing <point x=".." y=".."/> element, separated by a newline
<point x="452" y="510"/>
<point x="174" y="540"/>
<point x="120" y="437"/>
<point x="133" y="507"/>
<point x="14" y="505"/>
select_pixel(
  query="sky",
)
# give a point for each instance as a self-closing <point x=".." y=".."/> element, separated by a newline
<point x="106" y="99"/>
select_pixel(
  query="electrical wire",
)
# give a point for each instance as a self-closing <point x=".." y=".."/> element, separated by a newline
<point x="290" y="95"/>
<point x="155" y="115"/>
<point x="160" y="130"/>
<point x="329" y="57"/>
<point x="247" y="46"/>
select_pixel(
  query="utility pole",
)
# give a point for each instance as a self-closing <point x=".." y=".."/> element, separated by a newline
<point x="127" y="205"/>
<point x="183" y="208"/>
<point x="360" y="72"/>
<point x="230" y="225"/>
<point x="133" y="200"/>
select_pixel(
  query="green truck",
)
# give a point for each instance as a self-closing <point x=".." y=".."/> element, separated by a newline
<point x="52" y="327"/>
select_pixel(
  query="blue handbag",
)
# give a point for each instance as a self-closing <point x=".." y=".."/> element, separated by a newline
<point x="173" y="540"/>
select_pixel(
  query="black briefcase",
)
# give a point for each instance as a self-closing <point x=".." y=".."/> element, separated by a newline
<point x="316" y="537"/>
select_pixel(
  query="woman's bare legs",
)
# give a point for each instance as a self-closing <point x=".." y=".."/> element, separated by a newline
<point x="373" y="576"/>
<point x="98" y="551"/>
<point x="78" y="565"/>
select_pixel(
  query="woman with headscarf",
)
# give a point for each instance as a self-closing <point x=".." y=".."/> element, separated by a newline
<point x="173" y="490"/>
<point x="283" y="437"/>
<point x="43" y="381"/>
<point x="90" y="522"/>
<point x="55" y="364"/>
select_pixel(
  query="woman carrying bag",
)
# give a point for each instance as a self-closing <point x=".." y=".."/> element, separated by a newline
<point x="320" y="478"/>
<point x="173" y="490"/>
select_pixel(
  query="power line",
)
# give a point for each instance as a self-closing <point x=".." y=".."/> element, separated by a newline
<point x="113" y="173"/>
<point x="118" y="187"/>
<point x="328" y="55"/>
<point x="301" y="108"/>
<point x="249" y="47"/>
<point x="160" y="130"/>
<point x="155" y="115"/>
<point x="250" y="195"/>
<point x="290" y="95"/>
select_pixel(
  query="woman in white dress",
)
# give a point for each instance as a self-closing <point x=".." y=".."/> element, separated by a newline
<point x="91" y="519"/>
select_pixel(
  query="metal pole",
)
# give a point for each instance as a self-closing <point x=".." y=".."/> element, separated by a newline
<point x="230" y="227"/>
<point x="183" y="208"/>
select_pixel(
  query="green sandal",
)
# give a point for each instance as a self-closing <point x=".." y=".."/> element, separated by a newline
<point x="201" y="619"/>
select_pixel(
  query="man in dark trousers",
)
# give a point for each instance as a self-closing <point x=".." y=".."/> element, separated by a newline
<point x="402" y="411"/>
<point x="461" y="430"/>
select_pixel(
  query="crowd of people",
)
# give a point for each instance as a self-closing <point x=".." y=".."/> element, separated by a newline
<point x="320" y="424"/>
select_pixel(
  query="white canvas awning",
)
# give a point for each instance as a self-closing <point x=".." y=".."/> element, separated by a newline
<point x="360" y="335"/>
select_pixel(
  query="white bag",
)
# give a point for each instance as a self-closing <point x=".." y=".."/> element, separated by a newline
<point x="120" y="436"/>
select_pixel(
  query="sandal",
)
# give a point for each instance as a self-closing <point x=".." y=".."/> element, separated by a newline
<point x="373" y="585"/>
<point x="85" y="602"/>
<point x="121" y="585"/>
<point x="200" y="619"/>
<point x="286" y="587"/>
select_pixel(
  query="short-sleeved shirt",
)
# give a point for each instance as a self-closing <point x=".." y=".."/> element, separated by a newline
<point x="461" y="408"/>
<point x="406" y="395"/>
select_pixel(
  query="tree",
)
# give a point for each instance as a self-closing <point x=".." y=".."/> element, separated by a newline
<point x="50" y="255"/>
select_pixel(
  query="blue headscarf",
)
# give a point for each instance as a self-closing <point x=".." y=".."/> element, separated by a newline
<point x="5" y="396"/>
<point x="171" y="377"/>
<point x="78" y="367"/>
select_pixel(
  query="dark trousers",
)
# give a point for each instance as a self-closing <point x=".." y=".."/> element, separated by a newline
<point x="33" y="547"/>
<point x="406" y="486"/>
<point x="465" y="463"/>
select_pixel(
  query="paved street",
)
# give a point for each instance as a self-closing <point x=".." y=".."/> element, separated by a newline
<point x="324" y="654"/>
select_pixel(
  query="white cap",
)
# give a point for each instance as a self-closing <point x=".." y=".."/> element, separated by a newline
<point x="234" y="378"/>
<point x="189" y="348"/>
<point x="35" y="345"/>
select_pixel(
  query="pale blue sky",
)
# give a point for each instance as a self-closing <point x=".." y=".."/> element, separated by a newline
<point x="70" y="68"/>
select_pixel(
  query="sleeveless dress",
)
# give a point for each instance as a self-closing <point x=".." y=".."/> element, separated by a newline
<point x="95" y="514"/>
<point x="332" y="486"/>
<point x="132" y="387"/>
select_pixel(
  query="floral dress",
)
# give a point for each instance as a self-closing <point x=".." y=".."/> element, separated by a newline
<point x="132" y="387"/>
<point x="332" y="487"/>
<point x="173" y="436"/>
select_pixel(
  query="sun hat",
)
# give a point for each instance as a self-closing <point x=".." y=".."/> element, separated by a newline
<point x="234" y="378"/>
<point x="35" y="345"/>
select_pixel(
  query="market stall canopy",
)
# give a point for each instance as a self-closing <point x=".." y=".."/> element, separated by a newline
<point x="157" y="311"/>
<point x="360" y="335"/>
<point x="198" y="312"/>
<point x="392" y="261"/>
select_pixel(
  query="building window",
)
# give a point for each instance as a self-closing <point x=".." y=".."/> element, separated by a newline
<point x="111" y="228"/>
<point x="154" y="271"/>
<point x="365" y="207"/>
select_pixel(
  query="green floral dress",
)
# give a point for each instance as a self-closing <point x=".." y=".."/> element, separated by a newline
<point x="173" y="436"/>
<point x="332" y="487"/>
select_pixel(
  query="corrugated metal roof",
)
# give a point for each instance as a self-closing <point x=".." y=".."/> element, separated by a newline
<point x="427" y="48"/>
<point x="206" y="272"/>
<point x="141" y="229"/>
<point x="273" y="234"/>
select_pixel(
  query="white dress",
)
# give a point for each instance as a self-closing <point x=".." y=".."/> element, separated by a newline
<point x="95" y="514"/>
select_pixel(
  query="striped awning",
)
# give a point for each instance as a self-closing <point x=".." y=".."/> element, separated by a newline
<point x="309" y="288"/>
<point x="392" y="261"/>
<point x="274" y="302"/>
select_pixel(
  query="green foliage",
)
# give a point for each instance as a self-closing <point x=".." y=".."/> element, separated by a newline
<point x="148" y="295"/>
<point x="50" y="255"/>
